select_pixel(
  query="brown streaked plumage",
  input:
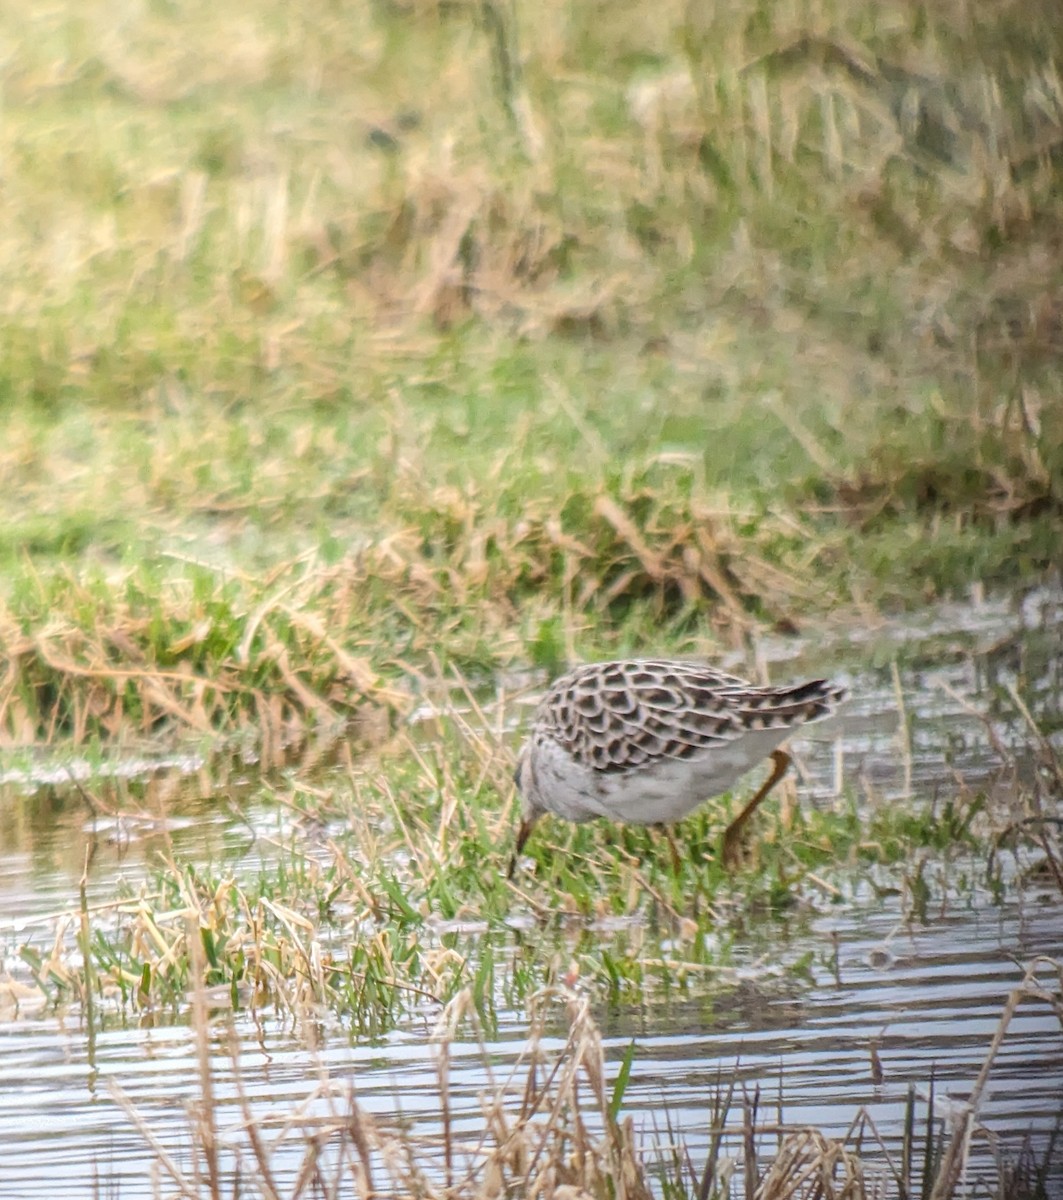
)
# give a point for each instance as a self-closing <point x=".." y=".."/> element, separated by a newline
<point x="647" y="740"/>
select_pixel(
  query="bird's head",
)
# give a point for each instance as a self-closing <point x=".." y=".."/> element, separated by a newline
<point x="531" y="807"/>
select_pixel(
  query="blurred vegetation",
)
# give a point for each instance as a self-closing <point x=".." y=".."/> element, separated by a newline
<point x="335" y="336"/>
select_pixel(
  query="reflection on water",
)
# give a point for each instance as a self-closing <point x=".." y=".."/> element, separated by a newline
<point x="926" y="994"/>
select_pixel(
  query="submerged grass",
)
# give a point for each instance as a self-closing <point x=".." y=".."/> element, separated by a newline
<point x="380" y="889"/>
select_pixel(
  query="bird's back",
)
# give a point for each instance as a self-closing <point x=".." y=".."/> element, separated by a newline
<point x="625" y="715"/>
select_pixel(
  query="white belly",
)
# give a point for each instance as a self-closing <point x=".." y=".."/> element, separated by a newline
<point x="659" y="792"/>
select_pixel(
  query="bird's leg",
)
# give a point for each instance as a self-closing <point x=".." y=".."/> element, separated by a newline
<point x="522" y="836"/>
<point x="677" y="864"/>
<point x="733" y="833"/>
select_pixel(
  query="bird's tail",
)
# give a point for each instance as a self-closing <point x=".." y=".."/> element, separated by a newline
<point x="793" y="704"/>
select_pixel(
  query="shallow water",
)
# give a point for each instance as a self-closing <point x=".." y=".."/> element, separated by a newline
<point x="927" y="987"/>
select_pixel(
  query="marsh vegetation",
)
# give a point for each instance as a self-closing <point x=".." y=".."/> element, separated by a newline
<point x="361" y="366"/>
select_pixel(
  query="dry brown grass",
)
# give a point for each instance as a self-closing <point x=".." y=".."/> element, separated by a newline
<point x="551" y="1129"/>
<point x="116" y="663"/>
<point x="547" y="1130"/>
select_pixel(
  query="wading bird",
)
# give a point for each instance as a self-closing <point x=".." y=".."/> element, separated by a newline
<point x="645" y="741"/>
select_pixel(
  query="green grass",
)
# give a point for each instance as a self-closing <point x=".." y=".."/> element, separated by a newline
<point x="411" y="291"/>
<point x="598" y="507"/>
<point x="385" y="891"/>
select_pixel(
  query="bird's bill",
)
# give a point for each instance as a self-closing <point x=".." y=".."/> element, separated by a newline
<point x="522" y="836"/>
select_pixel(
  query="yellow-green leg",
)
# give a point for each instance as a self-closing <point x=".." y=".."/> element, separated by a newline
<point x="732" y="837"/>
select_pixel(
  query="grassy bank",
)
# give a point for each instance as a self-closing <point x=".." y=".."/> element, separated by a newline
<point x="337" y="338"/>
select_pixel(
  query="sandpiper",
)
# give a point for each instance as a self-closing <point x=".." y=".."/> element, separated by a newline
<point x="647" y="740"/>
